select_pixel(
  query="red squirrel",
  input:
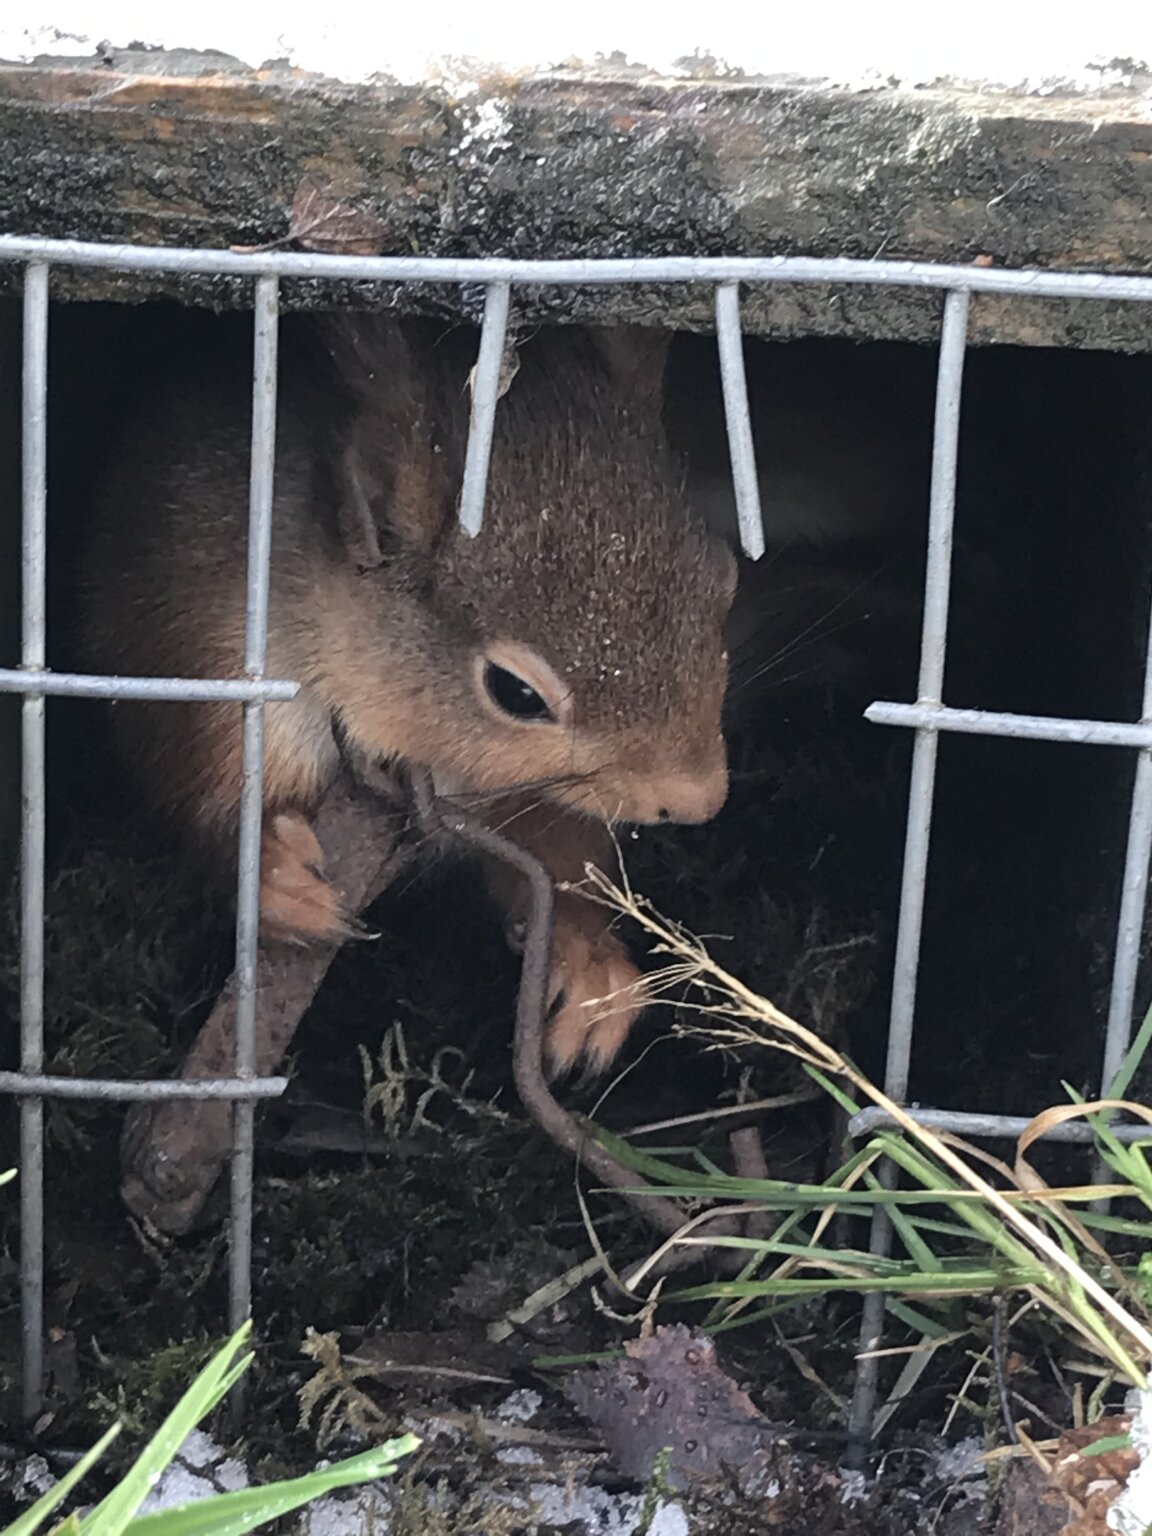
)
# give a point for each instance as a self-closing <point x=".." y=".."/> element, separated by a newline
<point x="564" y="670"/>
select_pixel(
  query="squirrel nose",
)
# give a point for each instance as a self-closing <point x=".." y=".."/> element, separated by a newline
<point x="690" y="797"/>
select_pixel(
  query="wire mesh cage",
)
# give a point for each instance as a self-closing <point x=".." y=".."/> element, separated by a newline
<point x="927" y="716"/>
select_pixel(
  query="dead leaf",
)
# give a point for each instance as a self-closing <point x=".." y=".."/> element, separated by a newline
<point x="669" y="1392"/>
<point x="509" y="368"/>
<point x="322" y="221"/>
<point x="1087" y="1484"/>
<point x="1029" y="1505"/>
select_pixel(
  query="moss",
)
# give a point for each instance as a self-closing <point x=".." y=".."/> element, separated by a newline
<point x="131" y="959"/>
<point x="140" y="1391"/>
<point x="385" y="1244"/>
<point x="442" y="1508"/>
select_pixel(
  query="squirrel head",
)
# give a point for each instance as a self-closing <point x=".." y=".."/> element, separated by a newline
<point x="576" y="645"/>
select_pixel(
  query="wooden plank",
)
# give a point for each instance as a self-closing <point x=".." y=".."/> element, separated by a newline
<point x="199" y="150"/>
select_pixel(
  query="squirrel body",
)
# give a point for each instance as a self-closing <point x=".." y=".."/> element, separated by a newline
<point x="562" y="672"/>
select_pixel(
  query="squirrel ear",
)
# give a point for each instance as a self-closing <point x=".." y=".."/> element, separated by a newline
<point x="637" y="359"/>
<point x="392" y="490"/>
<point x="727" y="565"/>
<point x="359" y="499"/>
<point x="364" y="349"/>
<point x="390" y="486"/>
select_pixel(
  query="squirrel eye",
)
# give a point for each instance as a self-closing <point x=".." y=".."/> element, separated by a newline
<point x="513" y="695"/>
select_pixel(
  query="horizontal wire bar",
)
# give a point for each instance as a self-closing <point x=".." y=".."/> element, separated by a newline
<point x="988" y="722"/>
<point x="182" y="690"/>
<point x="648" y="269"/>
<point x="24" y="1084"/>
<point x="968" y="1123"/>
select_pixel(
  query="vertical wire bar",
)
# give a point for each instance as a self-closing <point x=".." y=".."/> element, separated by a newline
<point x="1130" y="923"/>
<point x="33" y="655"/>
<point x="730" y="342"/>
<point x="933" y="644"/>
<point x="261" y="480"/>
<point x="1133" y="899"/>
<point x="485" y="393"/>
<point x="937" y="582"/>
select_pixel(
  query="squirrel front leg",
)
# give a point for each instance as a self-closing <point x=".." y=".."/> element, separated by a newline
<point x="298" y="904"/>
<point x="593" y="995"/>
<point x="192" y="756"/>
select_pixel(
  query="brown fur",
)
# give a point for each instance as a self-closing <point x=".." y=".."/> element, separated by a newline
<point x="380" y="606"/>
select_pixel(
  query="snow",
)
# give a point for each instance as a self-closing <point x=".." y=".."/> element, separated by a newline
<point x="1002" y="42"/>
<point x="202" y="1468"/>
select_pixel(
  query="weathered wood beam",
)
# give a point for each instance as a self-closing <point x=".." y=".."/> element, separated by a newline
<point x="195" y="149"/>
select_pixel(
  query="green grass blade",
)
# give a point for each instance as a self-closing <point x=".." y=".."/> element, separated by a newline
<point x="233" y="1514"/>
<point x="771" y="1247"/>
<point x="718" y="1312"/>
<point x="1123" y="1225"/>
<point x="702" y="1160"/>
<point x="910" y="1282"/>
<point x="943" y="1228"/>
<point x="1118" y="1087"/>
<point x="918" y="1250"/>
<point x="213" y="1384"/>
<point x="1108" y="1444"/>
<point x="919" y="1322"/>
<point x="32" y="1519"/>
<point x="755" y="1315"/>
<point x="833" y="1090"/>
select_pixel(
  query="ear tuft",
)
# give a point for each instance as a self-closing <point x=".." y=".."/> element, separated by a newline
<point x="727" y="565"/>
<point x="366" y="348"/>
<point x="390" y="484"/>
<point x="637" y="358"/>
<point x="361" y="500"/>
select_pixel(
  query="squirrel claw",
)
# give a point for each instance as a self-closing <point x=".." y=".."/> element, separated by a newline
<point x="594" y="996"/>
<point x="297" y="904"/>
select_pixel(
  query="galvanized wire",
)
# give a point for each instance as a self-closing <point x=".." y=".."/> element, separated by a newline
<point x="988" y="722"/>
<point x="578" y="272"/>
<point x="1133" y="897"/>
<point x="933" y="644"/>
<point x="33" y="655"/>
<point x="124" y="1091"/>
<point x="261" y="486"/>
<point x="745" y="484"/>
<point x="961" y="1122"/>
<point x="485" y="393"/>
<point x="189" y="690"/>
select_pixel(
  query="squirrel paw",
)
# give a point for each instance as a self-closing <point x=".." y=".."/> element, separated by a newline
<point x="593" y="995"/>
<point x="297" y="904"/>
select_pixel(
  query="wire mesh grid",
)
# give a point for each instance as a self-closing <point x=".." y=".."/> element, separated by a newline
<point x="927" y="717"/>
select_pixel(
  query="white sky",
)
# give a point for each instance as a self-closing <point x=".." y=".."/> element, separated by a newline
<point x="1000" y="41"/>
